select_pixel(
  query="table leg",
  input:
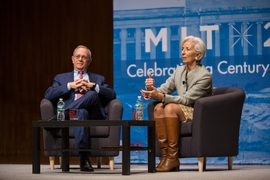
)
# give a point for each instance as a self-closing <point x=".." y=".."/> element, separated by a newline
<point x="126" y="150"/>
<point x="36" y="150"/>
<point x="65" y="146"/>
<point x="151" y="149"/>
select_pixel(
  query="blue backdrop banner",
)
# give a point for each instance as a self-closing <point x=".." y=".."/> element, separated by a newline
<point x="147" y="37"/>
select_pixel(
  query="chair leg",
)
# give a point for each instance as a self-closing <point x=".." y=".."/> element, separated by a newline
<point x="230" y="161"/>
<point x="60" y="161"/>
<point x="52" y="160"/>
<point x="201" y="163"/>
<point x="111" y="162"/>
<point x="99" y="160"/>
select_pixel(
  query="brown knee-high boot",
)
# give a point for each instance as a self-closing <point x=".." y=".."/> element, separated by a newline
<point x="172" y="160"/>
<point x="162" y="138"/>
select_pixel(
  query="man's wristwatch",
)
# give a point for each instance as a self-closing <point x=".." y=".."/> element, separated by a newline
<point x="94" y="86"/>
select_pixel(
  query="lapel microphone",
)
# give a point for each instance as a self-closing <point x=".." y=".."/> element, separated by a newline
<point x="185" y="83"/>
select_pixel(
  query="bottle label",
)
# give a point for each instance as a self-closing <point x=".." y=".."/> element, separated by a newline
<point x="60" y="107"/>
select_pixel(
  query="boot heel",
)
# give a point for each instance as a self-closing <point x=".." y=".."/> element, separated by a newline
<point x="175" y="168"/>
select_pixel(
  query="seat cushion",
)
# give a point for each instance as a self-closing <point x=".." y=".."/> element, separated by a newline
<point x="186" y="129"/>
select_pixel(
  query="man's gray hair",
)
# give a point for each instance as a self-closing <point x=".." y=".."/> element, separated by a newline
<point x="82" y="46"/>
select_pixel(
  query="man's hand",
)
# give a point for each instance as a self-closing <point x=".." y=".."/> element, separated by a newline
<point x="81" y="85"/>
<point x="149" y="82"/>
<point x="77" y="84"/>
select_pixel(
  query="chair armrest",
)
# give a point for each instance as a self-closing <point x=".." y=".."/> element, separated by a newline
<point x="216" y="121"/>
<point x="115" y="109"/>
<point x="47" y="109"/>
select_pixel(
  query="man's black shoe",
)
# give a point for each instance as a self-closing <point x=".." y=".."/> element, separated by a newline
<point x="86" y="166"/>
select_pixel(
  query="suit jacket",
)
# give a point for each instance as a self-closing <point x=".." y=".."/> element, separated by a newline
<point x="59" y="89"/>
<point x="190" y="87"/>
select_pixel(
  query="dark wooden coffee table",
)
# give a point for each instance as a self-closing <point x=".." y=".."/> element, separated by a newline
<point x="125" y="148"/>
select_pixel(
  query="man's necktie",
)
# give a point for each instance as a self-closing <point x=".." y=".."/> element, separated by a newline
<point x="80" y="94"/>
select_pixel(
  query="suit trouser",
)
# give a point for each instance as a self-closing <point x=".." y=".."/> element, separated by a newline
<point x="89" y="107"/>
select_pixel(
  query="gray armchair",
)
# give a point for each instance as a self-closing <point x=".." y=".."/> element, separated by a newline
<point x="99" y="136"/>
<point x="214" y="131"/>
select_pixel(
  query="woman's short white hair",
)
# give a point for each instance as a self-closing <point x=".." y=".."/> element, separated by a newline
<point x="199" y="46"/>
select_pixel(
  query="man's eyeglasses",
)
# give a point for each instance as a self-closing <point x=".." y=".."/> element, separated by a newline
<point x="83" y="57"/>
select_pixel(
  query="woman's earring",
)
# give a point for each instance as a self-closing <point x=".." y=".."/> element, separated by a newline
<point x="196" y="58"/>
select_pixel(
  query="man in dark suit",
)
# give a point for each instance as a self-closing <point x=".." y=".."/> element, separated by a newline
<point x="85" y="91"/>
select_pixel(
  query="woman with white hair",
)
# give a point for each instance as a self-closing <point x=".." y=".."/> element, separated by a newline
<point x="191" y="82"/>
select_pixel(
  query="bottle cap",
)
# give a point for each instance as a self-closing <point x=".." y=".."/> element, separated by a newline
<point x="61" y="99"/>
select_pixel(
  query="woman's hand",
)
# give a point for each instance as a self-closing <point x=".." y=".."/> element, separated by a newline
<point x="154" y="94"/>
<point x="149" y="82"/>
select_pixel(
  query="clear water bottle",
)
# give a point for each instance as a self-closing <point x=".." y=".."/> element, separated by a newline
<point x="60" y="110"/>
<point x="139" y="109"/>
